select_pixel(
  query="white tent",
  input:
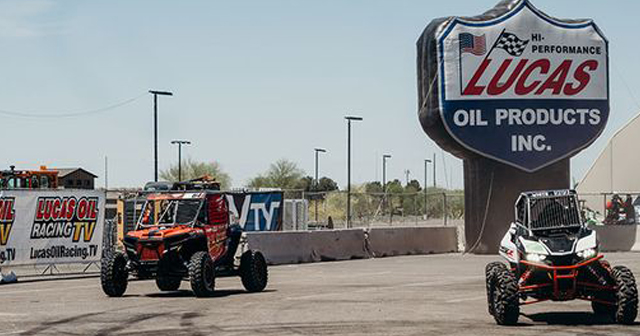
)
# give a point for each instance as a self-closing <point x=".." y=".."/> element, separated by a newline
<point x="616" y="169"/>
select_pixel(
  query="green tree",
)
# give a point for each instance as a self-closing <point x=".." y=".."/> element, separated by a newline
<point x="324" y="184"/>
<point x="394" y="187"/>
<point x="305" y="183"/>
<point x="327" y="184"/>
<point x="282" y="174"/>
<point x="373" y="187"/>
<point x="412" y="199"/>
<point x="192" y="169"/>
<point x="413" y="186"/>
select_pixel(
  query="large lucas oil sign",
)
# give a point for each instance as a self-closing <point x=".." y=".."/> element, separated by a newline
<point x="523" y="88"/>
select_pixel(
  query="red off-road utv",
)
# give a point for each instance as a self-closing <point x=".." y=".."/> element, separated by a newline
<point x="183" y="236"/>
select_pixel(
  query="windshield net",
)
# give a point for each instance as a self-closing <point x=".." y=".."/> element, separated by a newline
<point x="170" y="212"/>
<point x="554" y="212"/>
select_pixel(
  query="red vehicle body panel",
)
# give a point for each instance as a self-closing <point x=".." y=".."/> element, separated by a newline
<point x="152" y="248"/>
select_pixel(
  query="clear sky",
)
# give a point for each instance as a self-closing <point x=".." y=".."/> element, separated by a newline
<point x="254" y="81"/>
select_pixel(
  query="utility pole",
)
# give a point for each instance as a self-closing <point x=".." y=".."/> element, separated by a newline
<point x="434" y="170"/>
<point x="406" y="173"/>
<point x="106" y="173"/>
<point x="180" y="143"/>
<point x="155" y="129"/>
<point x="317" y="150"/>
<point x="349" y="119"/>
<point x="426" y="162"/>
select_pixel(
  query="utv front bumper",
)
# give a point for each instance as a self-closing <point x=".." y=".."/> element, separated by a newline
<point x="583" y="280"/>
<point x="144" y="256"/>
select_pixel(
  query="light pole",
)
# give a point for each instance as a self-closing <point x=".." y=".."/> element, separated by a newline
<point x="155" y="129"/>
<point x="317" y="150"/>
<point x="180" y="143"/>
<point x="349" y="120"/>
<point x="384" y="172"/>
<point x="385" y="203"/>
<point x="426" y="162"/>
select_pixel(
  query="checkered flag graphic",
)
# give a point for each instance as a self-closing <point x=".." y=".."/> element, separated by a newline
<point x="512" y="44"/>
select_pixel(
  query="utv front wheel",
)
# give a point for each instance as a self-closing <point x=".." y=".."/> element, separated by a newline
<point x="253" y="271"/>
<point x="489" y="272"/>
<point x="165" y="280"/>
<point x="113" y="274"/>
<point x="201" y="274"/>
<point x="168" y="283"/>
<point x="627" y="295"/>
<point x="504" y="296"/>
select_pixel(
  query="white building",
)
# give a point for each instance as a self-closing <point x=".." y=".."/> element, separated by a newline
<point x="616" y="168"/>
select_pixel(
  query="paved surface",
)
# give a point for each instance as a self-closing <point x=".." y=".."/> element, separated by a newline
<point x="416" y="295"/>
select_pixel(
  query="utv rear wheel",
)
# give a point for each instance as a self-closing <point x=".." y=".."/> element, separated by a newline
<point x="627" y="295"/>
<point x="168" y="283"/>
<point x="253" y="271"/>
<point x="504" y="296"/>
<point x="201" y="274"/>
<point x="600" y="308"/>
<point x="113" y="274"/>
<point x="489" y="277"/>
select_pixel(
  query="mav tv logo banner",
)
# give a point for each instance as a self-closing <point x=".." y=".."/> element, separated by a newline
<point x="524" y="89"/>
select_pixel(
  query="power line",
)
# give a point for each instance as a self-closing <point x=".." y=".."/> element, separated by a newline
<point x="629" y="91"/>
<point x="70" y="114"/>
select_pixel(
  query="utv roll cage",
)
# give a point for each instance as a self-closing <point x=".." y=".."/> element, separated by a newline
<point x="548" y="210"/>
<point x="163" y="208"/>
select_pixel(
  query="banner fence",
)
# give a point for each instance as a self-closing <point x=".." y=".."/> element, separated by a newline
<point x="48" y="227"/>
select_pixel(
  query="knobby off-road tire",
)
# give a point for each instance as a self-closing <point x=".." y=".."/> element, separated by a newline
<point x="604" y="309"/>
<point x="505" y="297"/>
<point x="627" y="295"/>
<point x="253" y="271"/>
<point x="168" y="283"/>
<point x="489" y="272"/>
<point x="602" y="270"/>
<point x="202" y="274"/>
<point x="113" y="274"/>
<point x="164" y="280"/>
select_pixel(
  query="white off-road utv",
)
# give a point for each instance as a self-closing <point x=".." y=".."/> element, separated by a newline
<point x="552" y="255"/>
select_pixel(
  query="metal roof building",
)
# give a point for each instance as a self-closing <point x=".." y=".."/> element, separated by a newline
<point x="616" y="168"/>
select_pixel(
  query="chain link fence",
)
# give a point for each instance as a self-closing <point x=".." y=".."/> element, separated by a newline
<point x="329" y="209"/>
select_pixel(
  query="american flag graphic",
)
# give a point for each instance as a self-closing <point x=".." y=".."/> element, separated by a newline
<point x="470" y="43"/>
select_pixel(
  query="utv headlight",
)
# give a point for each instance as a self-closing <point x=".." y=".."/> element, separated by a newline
<point x="588" y="253"/>
<point x="535" y="257"/>
<point x="534" y="251"/>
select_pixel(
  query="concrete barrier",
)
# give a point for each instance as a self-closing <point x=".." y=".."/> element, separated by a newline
<point x="309" y="246"/>
<point x="383" y="242"/>
<point x="618" y="237"/>
<point x="328" y="245"/>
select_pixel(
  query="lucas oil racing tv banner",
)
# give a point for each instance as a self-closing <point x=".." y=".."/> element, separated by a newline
<point x="46" y="227"/>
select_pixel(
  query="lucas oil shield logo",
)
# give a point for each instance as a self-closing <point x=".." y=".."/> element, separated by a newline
<point x="523" y="89"/>
<point x="65" y="217"/>
<point x="7" y="216"/>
